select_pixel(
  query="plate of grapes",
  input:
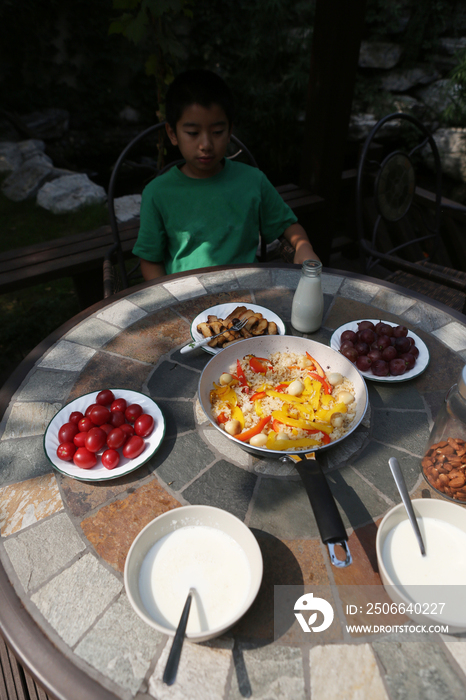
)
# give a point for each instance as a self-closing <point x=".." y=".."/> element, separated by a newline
<point x="382" y="351"/>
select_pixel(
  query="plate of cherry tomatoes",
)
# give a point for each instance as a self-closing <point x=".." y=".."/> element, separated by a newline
<point x="104" y="434"/>
<point x="382" y="351"/>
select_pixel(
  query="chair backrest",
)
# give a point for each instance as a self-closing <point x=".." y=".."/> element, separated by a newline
<point x="116" y="248"/>
<point x="390" y="219"/>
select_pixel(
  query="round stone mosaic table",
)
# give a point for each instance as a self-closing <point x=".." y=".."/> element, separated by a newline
<point x="63" y="544"/>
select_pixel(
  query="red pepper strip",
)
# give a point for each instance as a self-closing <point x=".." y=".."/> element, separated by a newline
<point x="242" y="377"/>
<point x="258" y="395"/>
<point x="257" y="366"/>
<point x="326" y="386"/>
<point x="276" y="425"/>
<point x="325" y="439"/>
<point x="222" y="418"/>
<point x="264" y="359"/>
<point x="319" y="369"/>
<point x="281" y="387"/>
<point x="248" y="434"/>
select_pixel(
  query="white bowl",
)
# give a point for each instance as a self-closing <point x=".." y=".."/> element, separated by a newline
<point x="174" y="520"/>
<point x="424" y="600"/>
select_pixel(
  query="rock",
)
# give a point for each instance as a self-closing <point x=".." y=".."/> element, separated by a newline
<point x="438" y="96"/>
<point x="48" y="124"/>
<point x="10" y="157"/>
<point x="402" y="81"/>
<point x="30" y="148"/>
<point x="70" y="193"/>
<point x="360" y="126"/>
<point x="24" y="182"/>
<point x="379" y="54"/>
<point x="451" y="144"/>
<point x="127" y="208"/>
<point x="406" y="103"/>
<point x="452" y="45"/>
<point x="129" y="114"/>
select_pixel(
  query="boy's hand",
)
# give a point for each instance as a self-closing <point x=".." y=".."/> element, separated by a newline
<point x="297" y="237"/>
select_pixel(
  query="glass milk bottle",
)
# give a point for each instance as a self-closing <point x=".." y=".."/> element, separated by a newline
<point x="308" y="301"/>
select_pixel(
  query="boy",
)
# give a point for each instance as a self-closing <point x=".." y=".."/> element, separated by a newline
<point x="209" y="211"/>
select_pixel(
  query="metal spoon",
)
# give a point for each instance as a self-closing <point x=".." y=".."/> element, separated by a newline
<point x="401" y="484"/>
<point x="237" y="326"/>
<point x="171" y="669"/>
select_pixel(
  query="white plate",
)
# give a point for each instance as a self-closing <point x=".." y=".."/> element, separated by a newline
<point x="421" y="362"/>
<point x="224" y="310"/>
<point x="99" y="472"/>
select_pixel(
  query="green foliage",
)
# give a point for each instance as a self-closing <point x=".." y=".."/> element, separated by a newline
<point x="151" y="26"/>
<point x="25" y="223"/>
<point x="456" y="111"/>
<point x="57" y="53"/>
<point x="262" y="49"/>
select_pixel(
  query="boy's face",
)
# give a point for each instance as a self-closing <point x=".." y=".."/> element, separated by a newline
<point x="202" y="135"/>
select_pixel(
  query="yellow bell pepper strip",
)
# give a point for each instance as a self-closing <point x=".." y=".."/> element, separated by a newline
<point x="258" y="395"/>
<point x="248" y="434"/>
<point x="258" y="409"/>
<point x="282" y="417"/>
<point x="325" y="385"/>
<point x="274" y="444"/>
<point x="319" y="369"/>
<point x="326" y="414"/>
<point x="242" y="377"/>
<point x="237" y="414"/>
<point x="305" y="410"/>
<point x="284" y="397"/>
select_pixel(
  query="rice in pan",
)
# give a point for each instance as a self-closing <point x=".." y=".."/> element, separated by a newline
<point x="284" y="402"/>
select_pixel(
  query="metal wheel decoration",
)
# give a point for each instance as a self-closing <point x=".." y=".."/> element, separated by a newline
<point x="394" y="186"/>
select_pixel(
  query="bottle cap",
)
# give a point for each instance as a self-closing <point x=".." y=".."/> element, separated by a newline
<point x="312" y="268"/>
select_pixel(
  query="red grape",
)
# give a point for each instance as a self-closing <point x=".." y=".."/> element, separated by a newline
<point x="367" y="336"/>
<point x="349" y="335"/>
<point x="363" y="363"/>
<point x="389" y="353"/>
<point x="397" y="366"/>
<point x="350" y="353"/>
<point x="361" y="348"/>
<point x="402" y="344"/>
<point x="400" y="331"/>
<point x="362" y="325"/>
<point x="380" y="368"/>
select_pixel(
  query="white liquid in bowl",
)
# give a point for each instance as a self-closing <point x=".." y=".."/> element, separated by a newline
<point x="203" y="557"/>
<point x="444" y="562"/>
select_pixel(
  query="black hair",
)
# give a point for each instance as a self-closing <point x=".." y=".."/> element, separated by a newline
<point x="201" y="87"/>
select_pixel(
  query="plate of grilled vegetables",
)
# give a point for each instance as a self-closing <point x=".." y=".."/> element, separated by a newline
<point x="218" y="319"/>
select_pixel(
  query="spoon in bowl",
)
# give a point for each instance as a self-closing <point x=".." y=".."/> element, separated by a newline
<point x="171" y="669"/>
<point x="401" y="484"/>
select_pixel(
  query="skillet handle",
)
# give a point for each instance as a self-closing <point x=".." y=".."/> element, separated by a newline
<point x="331" y="528"/>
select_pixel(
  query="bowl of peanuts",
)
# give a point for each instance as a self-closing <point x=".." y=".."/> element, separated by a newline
<point x="444" y="468"/>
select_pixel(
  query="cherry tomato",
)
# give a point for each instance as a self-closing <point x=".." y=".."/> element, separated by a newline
<point x="119" y="405"/>
<point x="76" y="416"/>
<point x="84" y="459"/>
<point x="117" y="419"/>
<point x="128" y="430"/>
<point x="80" y="439"/>
<point x="108" y="427"/>
<point x="89" y="409"/>
<point x="65" y="451"/>
<point x="105" y="397"/>
<point x="95" y="439"/>
<point x="99" y="415"/>
<point x="67" y="432"/>
<point x="132" y="412"/>
<point x="116" y="438"/>
<point x="134" y="447"/>
<point x="110" y="459"/>
<point x="144" y="425"/>
<point x="85" y="425"/>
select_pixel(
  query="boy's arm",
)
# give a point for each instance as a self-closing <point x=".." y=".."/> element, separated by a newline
<point x="297" y="237"/>
<point x="151" y="270"/>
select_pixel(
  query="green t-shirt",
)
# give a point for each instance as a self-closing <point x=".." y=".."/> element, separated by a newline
<point x="188" y="223"/>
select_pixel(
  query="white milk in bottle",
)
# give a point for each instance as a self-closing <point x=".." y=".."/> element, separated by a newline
<point x="308" y="301"/>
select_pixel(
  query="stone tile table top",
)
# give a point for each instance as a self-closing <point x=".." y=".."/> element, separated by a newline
<point x="63" y="542"/>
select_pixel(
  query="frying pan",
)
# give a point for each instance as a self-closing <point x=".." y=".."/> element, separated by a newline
<point x="329" y="522"/>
